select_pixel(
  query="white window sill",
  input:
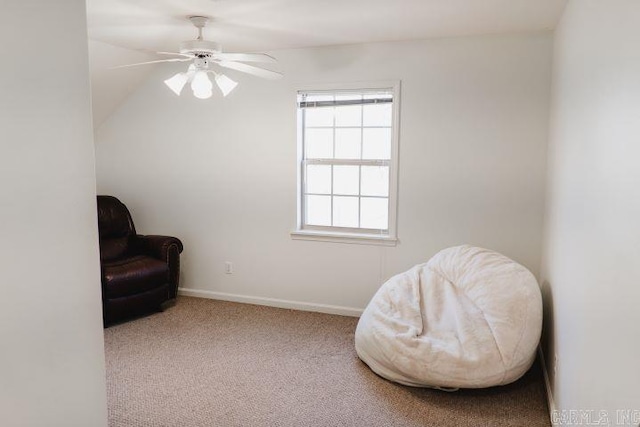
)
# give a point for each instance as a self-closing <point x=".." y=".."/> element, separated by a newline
<point x="336" y="237"/>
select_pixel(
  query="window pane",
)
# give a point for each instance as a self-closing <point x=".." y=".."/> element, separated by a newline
<point x="318" y="143"/>
<point x="348" y="143"/>
<point x="377" y="115"/>
<point x="376" y="143"/>
<point x="318" y="179"/>
<point x="321" y="116"/>
<point x="374" y="213"/>
<point x="339" y="191"/>
<point x="345" y="212"/>
<point x="349" y="115"/>
<point x="318" y="210"/>
<point x="345" y="179"/>
<point x="375" y="181"/>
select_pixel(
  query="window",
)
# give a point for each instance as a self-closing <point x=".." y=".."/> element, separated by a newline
<point x="347" y="153"/>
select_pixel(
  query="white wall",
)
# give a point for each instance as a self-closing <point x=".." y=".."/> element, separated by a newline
<point x="111" y="86"/>
<point x="51" y="355"/>
<point x="221" y="174"/>
<point x="592" y="246"/>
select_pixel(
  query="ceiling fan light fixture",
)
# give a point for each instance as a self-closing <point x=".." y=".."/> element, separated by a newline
<point x="177" y="82"/>
<point x="225" y="84"/>
<point x="201" y="81"/>
<point x="201" y="85"/>
<point x="203" y="94"/>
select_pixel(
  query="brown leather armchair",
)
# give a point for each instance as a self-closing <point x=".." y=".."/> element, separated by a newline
<point x="139" y="273"/>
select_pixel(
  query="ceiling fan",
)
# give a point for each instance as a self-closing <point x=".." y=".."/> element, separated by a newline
<point x="204" y="54"/>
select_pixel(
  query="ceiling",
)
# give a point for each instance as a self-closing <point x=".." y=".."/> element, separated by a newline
<point x="126" y="31"/>
<point x="255" y="25"/>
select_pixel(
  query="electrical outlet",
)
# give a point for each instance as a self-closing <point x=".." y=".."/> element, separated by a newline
<point x="228" y="267"/>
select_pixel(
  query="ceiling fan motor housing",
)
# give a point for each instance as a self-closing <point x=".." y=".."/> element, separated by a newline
<point x="200" y="47"/>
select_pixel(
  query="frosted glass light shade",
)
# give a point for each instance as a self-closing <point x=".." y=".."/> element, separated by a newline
<point x="177" y="82"/>
<point x="225" y="84"/>
<point x="203" y="94"/>
<point x="201" y="85"/>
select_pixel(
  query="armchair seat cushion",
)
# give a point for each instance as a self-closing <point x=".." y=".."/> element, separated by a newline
<point x="133" y="275"/>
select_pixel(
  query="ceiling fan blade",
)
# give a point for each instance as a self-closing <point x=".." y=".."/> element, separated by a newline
<point x="154" y="62"/>
<point x="176" y="54"/>
<point x="250" y="69"/>
<point x="245" y="57"/>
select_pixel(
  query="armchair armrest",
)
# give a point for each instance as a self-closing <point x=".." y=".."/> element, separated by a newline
<point x="163" y="248"/>
<point x="157" y="246"/>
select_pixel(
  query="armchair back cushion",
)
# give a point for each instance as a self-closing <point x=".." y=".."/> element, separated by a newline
<point x="115" y="227"/>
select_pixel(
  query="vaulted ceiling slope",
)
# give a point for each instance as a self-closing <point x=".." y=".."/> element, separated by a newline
<point x="145" y="26"/>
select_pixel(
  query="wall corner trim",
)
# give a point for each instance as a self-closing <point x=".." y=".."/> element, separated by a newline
<point x="547" y="383"/>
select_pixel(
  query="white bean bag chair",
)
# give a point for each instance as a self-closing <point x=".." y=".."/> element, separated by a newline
<point x="468" y="318"/>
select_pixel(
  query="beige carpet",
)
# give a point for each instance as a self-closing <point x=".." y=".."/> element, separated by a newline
<point x="211" y="363"/>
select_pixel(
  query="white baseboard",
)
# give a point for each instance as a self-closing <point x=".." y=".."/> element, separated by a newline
<point x="272" y="302"/>
<point x="547" y="383"/>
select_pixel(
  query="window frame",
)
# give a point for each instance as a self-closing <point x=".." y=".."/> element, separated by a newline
<point x="345" y="234"/>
